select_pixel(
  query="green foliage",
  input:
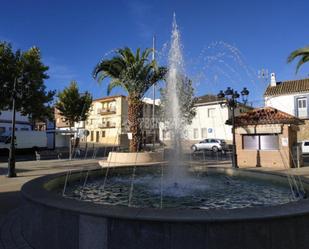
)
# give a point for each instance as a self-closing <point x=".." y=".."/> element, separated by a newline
<point x="303" y="53"/>
<point x="27" y="69"/>
<point x="73" y="105"/>
<point x="186" y="100"/>
<point x="133" y="72"/>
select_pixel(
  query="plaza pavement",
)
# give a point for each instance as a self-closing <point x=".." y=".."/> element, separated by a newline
<point x="10" y="197"/>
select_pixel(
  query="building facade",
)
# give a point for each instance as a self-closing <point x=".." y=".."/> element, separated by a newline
<point x="107" y="122"/>
<point x="209" y="121"/>
<point x="22" y="123"/>
<point x="267" y="137"/>
<point x="291" y="97"/>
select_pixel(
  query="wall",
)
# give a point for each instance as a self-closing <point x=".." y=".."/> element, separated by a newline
<point x="214" y="125"/>
<point x="22" y="122"/>
<point x="286" y="103"/>
<point x="95" y="121"/>
<point x="116" y="135"/>
<point x="281" y="158"/>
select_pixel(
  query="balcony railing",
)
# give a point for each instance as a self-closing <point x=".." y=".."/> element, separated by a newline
<point x="107" y="125"/>
<point x="106" y="111"/>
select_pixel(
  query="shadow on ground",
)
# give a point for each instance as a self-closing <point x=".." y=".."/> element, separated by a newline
<point x="9" y="201"/>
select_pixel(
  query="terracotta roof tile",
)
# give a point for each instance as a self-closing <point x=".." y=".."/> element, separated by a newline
<point x="207" y="99"/>
<point x="266" y="115"/>
<point x="288" y="87"/>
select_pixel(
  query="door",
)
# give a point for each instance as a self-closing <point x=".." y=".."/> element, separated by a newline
<point x="302" y="107"/>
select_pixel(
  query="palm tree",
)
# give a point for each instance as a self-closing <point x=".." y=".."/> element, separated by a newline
<point x="303" y="53"/>
<point x="135" y="74"/>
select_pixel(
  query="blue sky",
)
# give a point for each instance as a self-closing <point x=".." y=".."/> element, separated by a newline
<point x="225" y="43"/>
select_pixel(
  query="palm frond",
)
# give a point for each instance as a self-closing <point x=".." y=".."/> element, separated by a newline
<point x="112" y="84"/>
<point x="298" y="52"/>
<point x="303" y="59"/>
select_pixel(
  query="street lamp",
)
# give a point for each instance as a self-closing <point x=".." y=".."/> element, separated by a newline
<point x="11" y="161"/>
<point x="231" y="97"/>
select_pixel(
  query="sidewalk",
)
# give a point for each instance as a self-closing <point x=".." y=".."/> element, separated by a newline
<point x="9" y="187"/>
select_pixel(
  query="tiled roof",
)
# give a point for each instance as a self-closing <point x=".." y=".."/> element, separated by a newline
<point x="107" y="98"/>
<point x="288" y="87"/>
<point x="207" y="99"/>
<point x="266" y="115"/>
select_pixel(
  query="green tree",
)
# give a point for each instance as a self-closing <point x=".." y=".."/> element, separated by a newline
<point x="73" y="105"/>
<point x="302" y="53"/>
<point x="27" y="69"/>
<point x="135" y="74"/>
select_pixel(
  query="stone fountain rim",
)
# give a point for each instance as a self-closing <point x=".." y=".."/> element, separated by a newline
<point x="35" y="192"/>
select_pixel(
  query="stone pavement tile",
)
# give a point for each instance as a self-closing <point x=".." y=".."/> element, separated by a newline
<point x="10" y="232"/>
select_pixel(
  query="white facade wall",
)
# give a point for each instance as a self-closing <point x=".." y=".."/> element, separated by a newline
<point x="285" y="103"/>
<point x="209" y="122"/>
<point x="22" y="122"/>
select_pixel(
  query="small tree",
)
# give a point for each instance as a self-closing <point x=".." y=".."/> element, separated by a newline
<point x="73" y="105"/>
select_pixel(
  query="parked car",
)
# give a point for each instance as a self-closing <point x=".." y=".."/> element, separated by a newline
<point x="305" y="147"/>
<point x="210" y="144"/>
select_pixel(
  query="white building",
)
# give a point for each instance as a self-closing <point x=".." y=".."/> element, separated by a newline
<point x="209" y="121"/>
<point x="22" y="123"/>
<point x="291" y="97"/>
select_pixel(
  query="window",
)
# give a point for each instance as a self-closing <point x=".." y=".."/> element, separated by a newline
<point x="195" y="133"/>
<point x="97" y="136"/>
<point x="2" y="130"/>
<point x="24" y="129"/>
<point x="250" y="142"/>
<point x="211" y="112"/>
<point x="91" y="136"/>
<point x="302" y="107"/>
<point x="163" y="134"/>
<point x="103" y="133"/>
<point x="204" y="132"/>
<point x="306" y="143"/>
<point x="269" y="142"/>
<point x="185" y="134"/>
<point x="261" y="142"/>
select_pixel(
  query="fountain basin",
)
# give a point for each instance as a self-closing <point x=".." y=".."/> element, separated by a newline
<point x="132" y="158"/>
<point x="51" y="221"/>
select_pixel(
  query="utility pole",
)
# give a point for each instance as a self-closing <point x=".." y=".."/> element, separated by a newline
<point x="154" y="96"/>
<point x="11" y="161"/>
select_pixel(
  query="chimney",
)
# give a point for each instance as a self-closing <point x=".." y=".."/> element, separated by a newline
<point x="273" y="79"/>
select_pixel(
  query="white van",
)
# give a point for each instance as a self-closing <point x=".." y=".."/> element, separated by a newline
<point x="305" y="147"/>
<point x="26" y="140"/>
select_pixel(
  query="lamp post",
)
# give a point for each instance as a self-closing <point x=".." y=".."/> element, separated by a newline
<point x="231" y="97"/>
<point x="11" y="161"/>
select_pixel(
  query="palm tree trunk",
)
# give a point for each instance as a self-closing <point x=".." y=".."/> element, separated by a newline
<point x="135" y="114"/>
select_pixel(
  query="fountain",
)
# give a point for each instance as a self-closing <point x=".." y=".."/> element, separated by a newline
<point x="173" y="206"/>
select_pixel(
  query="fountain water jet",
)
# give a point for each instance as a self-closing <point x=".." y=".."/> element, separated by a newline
<point x="175" y="120"/>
